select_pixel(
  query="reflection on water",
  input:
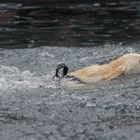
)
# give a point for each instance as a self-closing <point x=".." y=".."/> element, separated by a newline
<point x="69" y="25"/>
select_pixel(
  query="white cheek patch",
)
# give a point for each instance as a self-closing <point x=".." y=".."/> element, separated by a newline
<point x="60" y="73"/>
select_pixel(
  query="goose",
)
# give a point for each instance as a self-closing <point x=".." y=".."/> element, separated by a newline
<point x="126" y="64"/>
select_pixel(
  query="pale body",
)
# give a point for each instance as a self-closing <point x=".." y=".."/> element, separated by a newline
<point x="125" y="64"/>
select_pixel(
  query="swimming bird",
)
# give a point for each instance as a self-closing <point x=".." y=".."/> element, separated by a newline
<point x="126" y="64"/>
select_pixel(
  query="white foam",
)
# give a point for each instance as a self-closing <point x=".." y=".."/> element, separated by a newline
<point x="11" y="77"/>
<point x="9" y="71"/>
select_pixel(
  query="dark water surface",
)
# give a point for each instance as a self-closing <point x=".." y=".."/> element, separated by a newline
<point x="89" y="24"/>
<point x="38" y="38"/>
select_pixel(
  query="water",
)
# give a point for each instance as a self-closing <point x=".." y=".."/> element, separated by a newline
<point x="61" y="24"/>
<point x="33" y="106"/>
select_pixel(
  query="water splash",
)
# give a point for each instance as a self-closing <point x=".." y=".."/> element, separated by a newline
<point x="11" y="77"/>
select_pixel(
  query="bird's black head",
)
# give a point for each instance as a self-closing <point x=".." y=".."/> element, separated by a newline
<point x="64" y="72"/>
